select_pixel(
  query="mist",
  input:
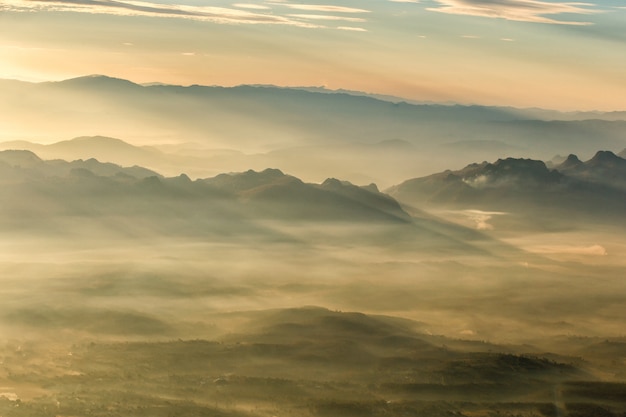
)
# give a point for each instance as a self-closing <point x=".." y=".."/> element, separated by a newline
<point x="299" y="280"/>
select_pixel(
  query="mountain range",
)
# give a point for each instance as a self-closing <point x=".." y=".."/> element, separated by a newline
<point x="306" y="132"/>
<point x="88" y="196"/>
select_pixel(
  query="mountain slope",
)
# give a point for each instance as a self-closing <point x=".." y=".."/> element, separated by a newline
<point x="285" y="196"/>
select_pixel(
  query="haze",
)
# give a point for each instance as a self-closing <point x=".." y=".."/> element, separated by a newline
<point x="277" y="208"/>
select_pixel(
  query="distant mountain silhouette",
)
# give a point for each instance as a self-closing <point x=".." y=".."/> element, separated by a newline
<point x="604" y="168"/>
<point x="269" y="193"/>
<point x="496" y="180"/>
<point x="95" y="81"/>
<point x="302" y="132"/>
<point x="23" y="162"/>
<point x="86" y="147"/>
<point x="592" y="188"/>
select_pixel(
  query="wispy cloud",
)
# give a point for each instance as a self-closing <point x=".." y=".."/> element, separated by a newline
<point x="481" y="218"/>
<point x="324" y="8"/>
<point x="143" y="8"/>
<point x="251" y="6"/>
<point x="593" y="250"/>
<point x="519" y="10"/>
<point x="327" y="17"/>
<point x="353" y="29"/>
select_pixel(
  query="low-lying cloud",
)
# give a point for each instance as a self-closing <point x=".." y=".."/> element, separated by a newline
<point x="481" y="218"/>
<point x="519" y="10"/>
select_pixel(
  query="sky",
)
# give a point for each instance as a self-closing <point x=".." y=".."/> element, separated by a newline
<point x="561" y="55"/>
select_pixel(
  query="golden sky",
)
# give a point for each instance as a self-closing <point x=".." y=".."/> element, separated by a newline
<point x="522" y="53"/>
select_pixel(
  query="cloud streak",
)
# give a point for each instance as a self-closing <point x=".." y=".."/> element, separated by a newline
<point x="142" y="8"/>
<point x="324" y="8"/>
<point x="327" y="17"/>
<point x="534" y="11"/>
<point x="593" y="250"/>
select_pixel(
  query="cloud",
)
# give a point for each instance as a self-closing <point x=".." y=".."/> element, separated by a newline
<point x="353" y="29"/>
<point x="251" y="6"/>
<point x="481" y="218"/>
<point x="327" y="17"/>
<point x="518" y="10"/>
<point x="593" y="250"/>
<point x="324" y="8"/>
<point x="143" y="8"/>
<point x="404" y="1"/>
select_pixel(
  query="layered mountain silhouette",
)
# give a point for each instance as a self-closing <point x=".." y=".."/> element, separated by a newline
<point x="295" y="130"/>
<point x="89" y="198"/>
<point x="95" y="147"/>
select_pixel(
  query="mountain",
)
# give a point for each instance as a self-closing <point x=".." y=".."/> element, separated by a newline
<point x="110" y="188"/>
<point x="91" y="198"/>
<point x="98" y="147"/>
<point x="604" y="168"/>
<point x="593" y="189"/>
<point x="26" y="163"/>
<point x="307" y="133"/>
<point x="277" y="194"/>
<point x="570" y="163"/>
<point x="475" y="182"/>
